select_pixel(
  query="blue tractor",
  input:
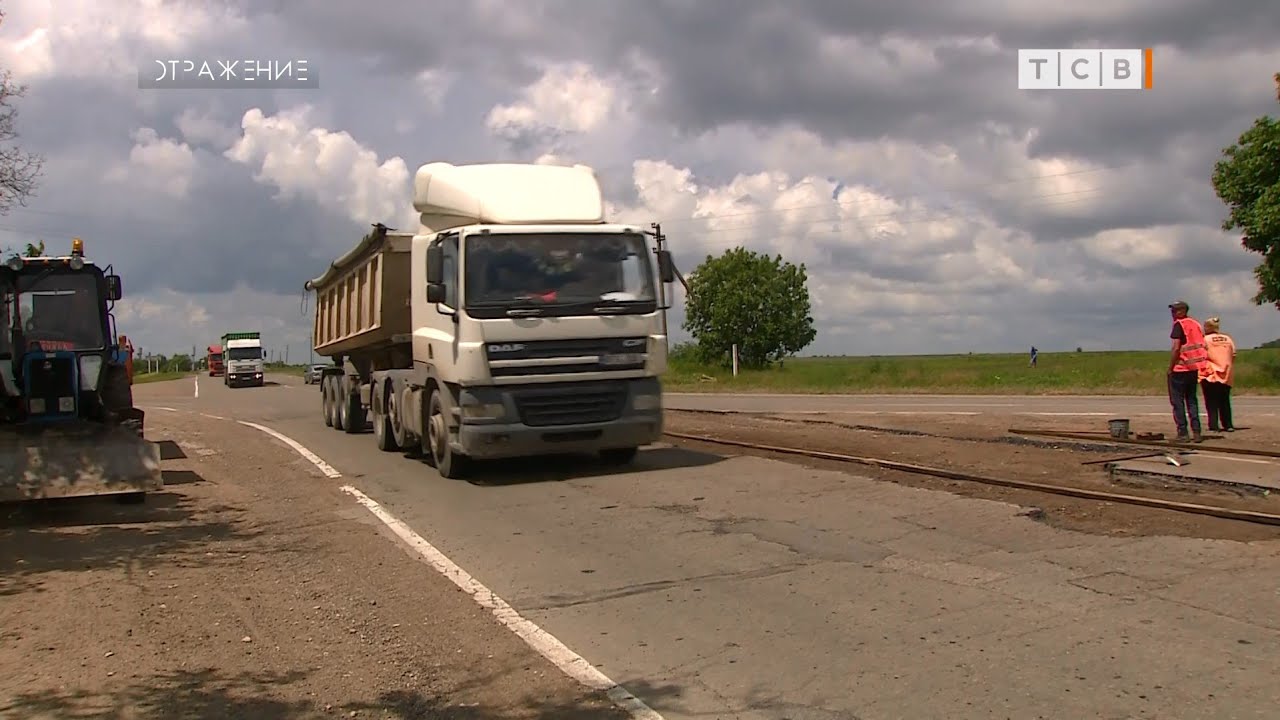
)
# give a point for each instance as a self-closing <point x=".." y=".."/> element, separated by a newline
<point x="68" y="424"/>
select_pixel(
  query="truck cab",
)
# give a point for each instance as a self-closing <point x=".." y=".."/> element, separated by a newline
<point x="214" y="361"/>
<point x="244" y="359"/>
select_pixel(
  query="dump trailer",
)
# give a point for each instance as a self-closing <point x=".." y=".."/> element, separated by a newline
<point x="68" y="425"/>
<point x="243" y="357"/>
<point x="515" y="322"/>
<point x="214" y="360"/>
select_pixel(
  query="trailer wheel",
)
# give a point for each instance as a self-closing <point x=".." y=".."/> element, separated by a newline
<point x="383" y="430"/>
<point x="448" y="463"/>
<point x="326" y="400"/>
<point x="354" y="416"/>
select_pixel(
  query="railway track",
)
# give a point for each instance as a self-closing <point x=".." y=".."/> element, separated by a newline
<point x="913" y="468"/>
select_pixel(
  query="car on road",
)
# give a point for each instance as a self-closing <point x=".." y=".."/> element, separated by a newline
<point x="312" y="373"/>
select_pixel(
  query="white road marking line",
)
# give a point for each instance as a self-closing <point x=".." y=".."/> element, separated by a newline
<point x="197" y="392"/>
<point x="546" y="644"/>
<point x="214" y="417"/>
<point x="166" y="408"/>
<point x="324" y="467"/>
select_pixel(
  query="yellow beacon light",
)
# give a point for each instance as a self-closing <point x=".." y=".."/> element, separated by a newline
<point x="77" y="254"/>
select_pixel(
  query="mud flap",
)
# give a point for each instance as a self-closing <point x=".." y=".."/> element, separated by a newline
<point x="77" y="459"/>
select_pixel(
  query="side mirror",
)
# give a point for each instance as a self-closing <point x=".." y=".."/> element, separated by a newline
<point x="114" y="291"/>
<point x="435" y="270"/>
<point x="435" y="292"/>
<point x="666" y="268"/>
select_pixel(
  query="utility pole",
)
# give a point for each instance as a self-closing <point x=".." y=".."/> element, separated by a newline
<point x="660" y="241"/>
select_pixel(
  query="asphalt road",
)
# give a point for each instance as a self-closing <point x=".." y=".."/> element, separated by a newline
<point x="1070" y="405"/>
<point x="741" y="587"/>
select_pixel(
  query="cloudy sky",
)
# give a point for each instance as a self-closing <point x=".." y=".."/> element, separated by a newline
<point x="885" y="144"/>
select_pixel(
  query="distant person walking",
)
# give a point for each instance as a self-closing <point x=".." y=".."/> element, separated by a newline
<point x="1216" y="377"/>
<point x="1187" y="357"/>
<point x="1034" y="355"/>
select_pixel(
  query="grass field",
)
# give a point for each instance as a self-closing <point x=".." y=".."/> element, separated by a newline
<point x="1257" y="372"/>
<point x="142" y="378"/>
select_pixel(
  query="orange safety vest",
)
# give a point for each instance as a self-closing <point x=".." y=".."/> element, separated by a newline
<point x="1222" y="352"/>
<point x="126" y="349"/>
<point x="1194" y="355"/>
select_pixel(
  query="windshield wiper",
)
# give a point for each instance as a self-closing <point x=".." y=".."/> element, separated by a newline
<point x="524" y="308"/>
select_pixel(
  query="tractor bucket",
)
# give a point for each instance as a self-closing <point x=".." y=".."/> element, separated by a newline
<point x="76" y="459"/>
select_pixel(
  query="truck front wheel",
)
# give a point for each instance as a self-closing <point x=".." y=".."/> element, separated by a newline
<point x="448" y="463"/>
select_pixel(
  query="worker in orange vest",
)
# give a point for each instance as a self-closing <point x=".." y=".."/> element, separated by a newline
<point x="1187" y="358"/>
<point x="126" y="354"/>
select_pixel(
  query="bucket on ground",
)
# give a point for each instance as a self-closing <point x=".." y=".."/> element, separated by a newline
<point x="1119" y="428"/>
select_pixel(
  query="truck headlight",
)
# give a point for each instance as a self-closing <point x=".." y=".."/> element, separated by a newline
<point x="483" y="411"/>
<point x="646" y="402"/>
<point x="90" y="371"/>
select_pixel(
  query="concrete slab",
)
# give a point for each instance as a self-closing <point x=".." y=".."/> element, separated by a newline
<point x="1247" y="473"/>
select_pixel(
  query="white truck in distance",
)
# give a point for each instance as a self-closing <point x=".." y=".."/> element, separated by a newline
<point x="243" y="359"/>
<point x="515" y="322"/>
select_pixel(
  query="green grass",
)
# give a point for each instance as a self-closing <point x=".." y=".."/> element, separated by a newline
<point x="1257" y="372"/>
<point x="282" y="369"/>
<point x="139" y="379"/>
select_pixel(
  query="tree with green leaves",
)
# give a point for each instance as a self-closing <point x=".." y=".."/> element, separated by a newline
<point x="758" y="302"/>
<point x="1247" y="179"/>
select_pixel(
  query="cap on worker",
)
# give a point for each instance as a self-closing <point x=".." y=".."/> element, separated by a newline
<point x="1179" y="305"/>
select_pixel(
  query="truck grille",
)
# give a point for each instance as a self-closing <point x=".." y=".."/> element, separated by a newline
<point x="553" y="349"/>
<point x="570" y="405"/>
<point x="52" y="381"/>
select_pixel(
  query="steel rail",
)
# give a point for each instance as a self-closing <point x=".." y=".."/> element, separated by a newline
<point x="1100" y="495"/>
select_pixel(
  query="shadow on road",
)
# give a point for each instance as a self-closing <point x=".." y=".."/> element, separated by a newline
<point x="169" y="450"/>
<point x="99" y="533"/>
<point x="181" y="477"/>
<point x="207" y="694"/>
<point x="553" y="468"/>
<point x="194" y="694"/>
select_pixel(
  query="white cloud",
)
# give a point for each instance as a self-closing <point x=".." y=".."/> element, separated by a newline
<point x="204" y="127"/>
<point x="171" y="322"/>
<point x="331" y="169"/>
<point x="568" y="97"/>
<point x="105" y="38"/>
<point x="156" y="164"/>
<point x="434" y="84"/>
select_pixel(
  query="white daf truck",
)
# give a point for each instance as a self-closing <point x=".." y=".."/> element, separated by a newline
<point x="516" y="321"/>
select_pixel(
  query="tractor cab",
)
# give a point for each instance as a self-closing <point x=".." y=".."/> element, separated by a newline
<point x="57" y="356"/>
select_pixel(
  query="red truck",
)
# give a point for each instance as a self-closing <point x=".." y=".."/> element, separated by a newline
<point x="215" y="360"/>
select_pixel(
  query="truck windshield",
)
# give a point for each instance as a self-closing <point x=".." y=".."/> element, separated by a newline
<point x="560" y="269"/>
<point x="58" y="311"/>
<point x="249" y="353"/>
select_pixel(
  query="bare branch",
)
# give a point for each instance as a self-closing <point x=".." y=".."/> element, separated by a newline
<point x="19" y="170"/>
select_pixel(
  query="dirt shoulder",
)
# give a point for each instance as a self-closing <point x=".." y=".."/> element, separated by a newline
<point x="249" y="588"/>
<point x="981" y="446"/>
